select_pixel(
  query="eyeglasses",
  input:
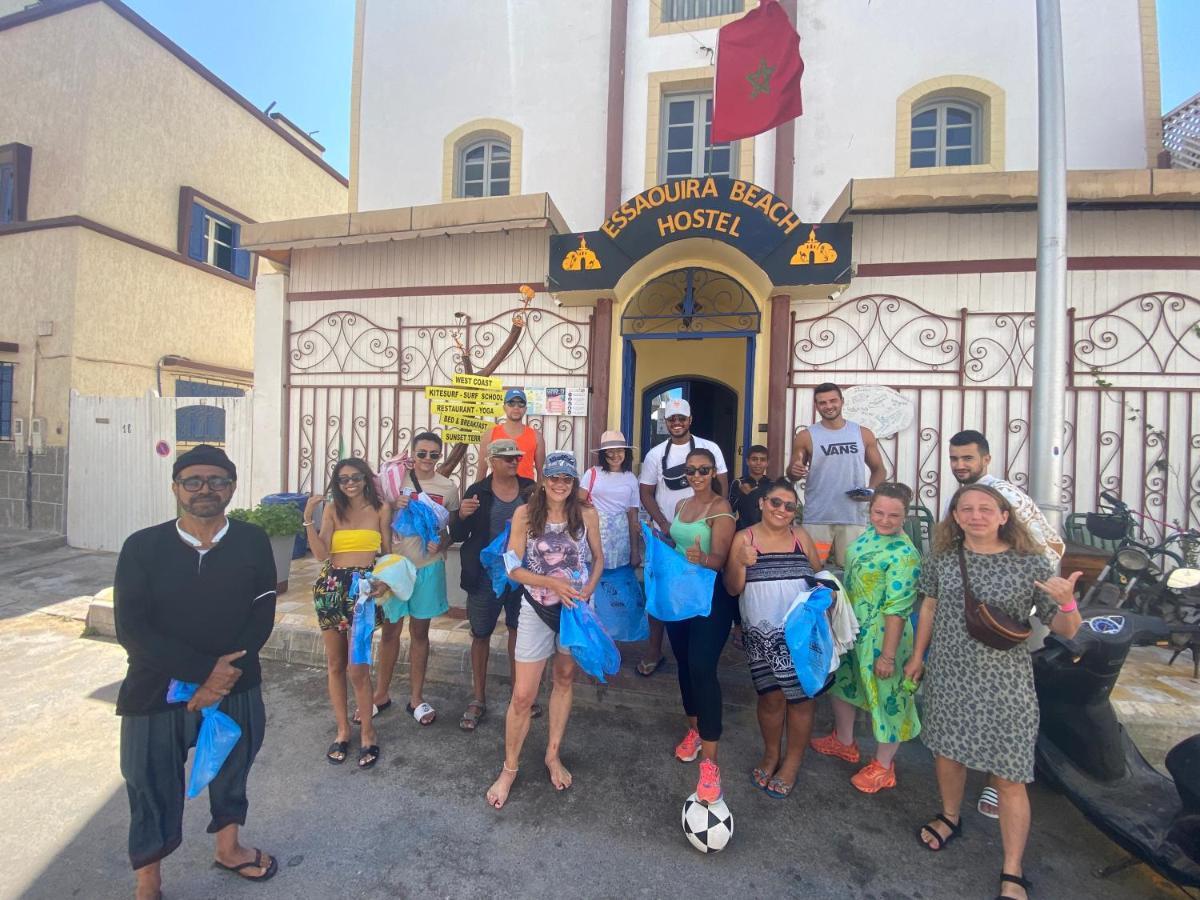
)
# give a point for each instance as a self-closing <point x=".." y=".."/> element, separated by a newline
<point x="560" y="479"/>
<point x="514" y="403"/>
<point x="697" y="470"/>
<point x="428" y="454"/>
<point x="215" y="483"/>
<point x="779" y="503"/>
<point x="351" y="479"/>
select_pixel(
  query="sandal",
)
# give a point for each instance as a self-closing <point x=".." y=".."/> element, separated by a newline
<point x="375" y="711"/>
<point x="256" y="864"/>
<point x="368" y="756"/>
<point x="760" y="777"/>
<point x="337" y="752"/>
<point x="646" y="668"/>
<point x="778" y="789"/>
<point x="535" y="711"/>
<point x="988" y="795"/>
<point x="1015" y="879"/>
<point x="423" y="713"/>
<point x="473" y="715"/>
<point x="955" y="831"/>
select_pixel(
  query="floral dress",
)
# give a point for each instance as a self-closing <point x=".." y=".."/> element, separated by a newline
<point x="881" y="580"/>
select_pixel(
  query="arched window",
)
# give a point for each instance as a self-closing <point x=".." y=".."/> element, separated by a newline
<point x="945" y="133"/>
<point x="484" y="169"/>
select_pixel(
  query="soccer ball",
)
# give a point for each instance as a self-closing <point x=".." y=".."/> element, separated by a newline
<point x="709" y="828"/>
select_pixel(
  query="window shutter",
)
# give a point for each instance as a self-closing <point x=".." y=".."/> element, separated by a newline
<point x="241" y="258"/>
<point x="195" y="242"/>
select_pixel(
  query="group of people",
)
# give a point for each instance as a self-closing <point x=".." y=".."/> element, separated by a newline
<point x="572" y="533"/>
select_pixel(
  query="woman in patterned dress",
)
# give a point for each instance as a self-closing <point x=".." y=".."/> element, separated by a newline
<point x="769" y="565"/>
<point x="881" y="580"/>
<point x="979" y="709"/>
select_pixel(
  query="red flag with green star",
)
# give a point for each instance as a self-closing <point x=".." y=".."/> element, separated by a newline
<point x="758" y="74"/>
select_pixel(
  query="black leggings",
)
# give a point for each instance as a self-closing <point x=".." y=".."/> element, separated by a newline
<point x="697" y="644"/>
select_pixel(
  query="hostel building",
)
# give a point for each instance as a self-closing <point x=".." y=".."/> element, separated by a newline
<point x="885" y="238"/>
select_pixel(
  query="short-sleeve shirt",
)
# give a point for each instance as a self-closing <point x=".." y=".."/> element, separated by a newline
<point x="440" y="489"/>
<point x="612" y="492"/>
<point x="1028" y="513"/>
<point x="664" y="456"/>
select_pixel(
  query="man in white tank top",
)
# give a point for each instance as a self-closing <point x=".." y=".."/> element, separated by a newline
<point x="842" y="464"/>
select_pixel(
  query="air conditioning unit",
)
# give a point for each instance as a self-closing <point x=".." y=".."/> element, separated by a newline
<point x="18" y="435"/>
<point x="37" y="435"/>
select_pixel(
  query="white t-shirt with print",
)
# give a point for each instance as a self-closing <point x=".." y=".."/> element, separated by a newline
<point x="664" y="456"/>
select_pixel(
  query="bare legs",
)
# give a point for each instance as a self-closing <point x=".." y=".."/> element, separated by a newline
<point x="843" y="720"/>
<point x="230" y="852"/>
<point x="337" y="652"/>
<point x="479" y="663"/>
<point x="654" y="647"/>
<point x="385" y="666"/>
<point x="778" y="719"/>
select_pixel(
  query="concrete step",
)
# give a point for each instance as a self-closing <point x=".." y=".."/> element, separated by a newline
<point x="19" y="543"/>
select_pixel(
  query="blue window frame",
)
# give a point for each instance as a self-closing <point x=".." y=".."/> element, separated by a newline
<point x="6" y="400"/>
<point x="202" y="424"/>
<point x="8" y="193"/>
<point x="216" y="241"/>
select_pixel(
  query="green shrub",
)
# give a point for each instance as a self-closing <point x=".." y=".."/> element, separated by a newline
<point x="277" y="521"/>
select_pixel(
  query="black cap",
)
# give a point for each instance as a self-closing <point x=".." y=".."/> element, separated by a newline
<point x="204" y="455"/>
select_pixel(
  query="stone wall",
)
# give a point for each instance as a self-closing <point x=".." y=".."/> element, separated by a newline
<point x="49" y="489"/>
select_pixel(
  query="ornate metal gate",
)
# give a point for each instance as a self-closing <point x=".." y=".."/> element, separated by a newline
<point x="1133" y="397"/>
<point x="355" y="387"/>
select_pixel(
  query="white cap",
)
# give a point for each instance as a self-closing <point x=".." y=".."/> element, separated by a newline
<point x="677" y="407"/>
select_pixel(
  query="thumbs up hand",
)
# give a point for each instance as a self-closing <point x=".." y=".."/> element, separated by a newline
<point x="694" y="554"/>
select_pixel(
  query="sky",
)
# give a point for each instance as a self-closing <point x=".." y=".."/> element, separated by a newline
<point x="298" y="53"/>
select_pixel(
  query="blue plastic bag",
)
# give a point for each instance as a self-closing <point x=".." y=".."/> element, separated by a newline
<point x="581" y="633"/>
<point x="809" y="639"/>
<point x="621" y="605"/>
<point x="417" y="519"/>
<point x="492" y="558"/>
<point x="362" y="627"/>
<point x="675" y="588"/>
<point x="218" y="736"/>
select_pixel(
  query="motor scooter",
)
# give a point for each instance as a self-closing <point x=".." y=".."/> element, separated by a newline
<point x="1085" y="752"/>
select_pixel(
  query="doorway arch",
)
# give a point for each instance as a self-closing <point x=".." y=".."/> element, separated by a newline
<point x="714" y="412"/>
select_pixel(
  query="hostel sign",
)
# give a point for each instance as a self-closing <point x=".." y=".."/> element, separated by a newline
<point x="738" y="213"/>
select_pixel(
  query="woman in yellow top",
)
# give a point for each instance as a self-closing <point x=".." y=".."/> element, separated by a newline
<point x="355" y="528"/>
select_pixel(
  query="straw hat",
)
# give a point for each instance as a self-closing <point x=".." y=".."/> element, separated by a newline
<point x="613" y="440"/>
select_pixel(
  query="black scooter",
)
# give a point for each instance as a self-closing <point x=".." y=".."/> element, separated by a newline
<point x="1084" y="751"/>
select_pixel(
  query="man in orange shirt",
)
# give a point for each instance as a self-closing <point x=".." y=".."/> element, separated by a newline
<point x="529" y="440"/>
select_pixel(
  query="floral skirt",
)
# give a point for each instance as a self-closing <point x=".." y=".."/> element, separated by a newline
<point x="331" y="597"/>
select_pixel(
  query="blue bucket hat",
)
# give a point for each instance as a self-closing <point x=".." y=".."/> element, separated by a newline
<point x="560" y="462"/>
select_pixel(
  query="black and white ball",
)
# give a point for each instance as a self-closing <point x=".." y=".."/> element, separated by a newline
<point x="708" y="828"/>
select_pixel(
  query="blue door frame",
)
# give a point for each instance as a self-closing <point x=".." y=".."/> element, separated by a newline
<point x="629" y="375"/>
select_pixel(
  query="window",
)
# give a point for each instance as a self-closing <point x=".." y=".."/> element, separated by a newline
<point x="202" y="424"/>
<point x="14" y="182"/>
<point x="6" y="401"/>
<point x="8" y="193"/>
<point x="484" y="170"/>
<point x="213" y="239"/>
<point x="687" y="148"/>
<point x="945" y="133"/>
<point x="684" y="10"/>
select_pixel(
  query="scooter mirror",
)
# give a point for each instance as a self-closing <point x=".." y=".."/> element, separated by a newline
<point x="1182" y="579"/>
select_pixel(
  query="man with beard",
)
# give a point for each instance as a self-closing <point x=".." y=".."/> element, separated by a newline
<point x="842" y="464"/>
<point x="194" y="601"/>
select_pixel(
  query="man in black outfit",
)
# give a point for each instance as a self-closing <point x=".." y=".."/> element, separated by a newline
<point x="745" y="493"/>
<point x="194" y="601"/>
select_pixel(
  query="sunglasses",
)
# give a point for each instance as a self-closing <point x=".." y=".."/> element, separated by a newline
<point x="428" y="454"/>
<point x="779" y="503"/>
<point x="514" y="403"/>
<point x="509" y="459"/>
<point x="351" y="479"/>
<point x="697" y="470"/>
<point x="678" y="419"/>
<point x="215" y="483"/>
<point x="560" y="479"/>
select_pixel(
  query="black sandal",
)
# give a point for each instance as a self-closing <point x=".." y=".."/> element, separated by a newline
<point x="1015" y="879"/>
<point x="268" y="872"/>
<point x="368" y="756"/>
<point x="342" y="747"/>
<point x="955" y="831"/>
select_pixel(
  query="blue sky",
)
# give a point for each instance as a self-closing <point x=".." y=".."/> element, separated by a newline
<point x="299" y="52"/>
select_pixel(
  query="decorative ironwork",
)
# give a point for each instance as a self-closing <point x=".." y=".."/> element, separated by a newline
<point x="691" y="302"/>
<point x="1002" y="355"/>
<point x="340" y="341"/>
<point x="1162" y="340"/>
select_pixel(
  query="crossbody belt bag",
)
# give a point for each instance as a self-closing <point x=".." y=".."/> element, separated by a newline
<point x="990" y="626"/>
<point x="551" y="615"/>
<point x="675" y="477"/>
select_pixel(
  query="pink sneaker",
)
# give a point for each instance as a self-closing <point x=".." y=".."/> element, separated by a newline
<point x="689" y="748"/>
<point x="708" y="788"/>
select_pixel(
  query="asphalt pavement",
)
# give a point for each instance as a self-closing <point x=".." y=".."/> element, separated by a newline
<point x="417" y="824"/>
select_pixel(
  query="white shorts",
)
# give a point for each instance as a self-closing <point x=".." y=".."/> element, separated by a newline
<point x="833" y="540"/>
<point x="536" y="641"/>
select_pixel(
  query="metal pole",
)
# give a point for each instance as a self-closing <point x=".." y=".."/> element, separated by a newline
<point x="1048" y="411"/>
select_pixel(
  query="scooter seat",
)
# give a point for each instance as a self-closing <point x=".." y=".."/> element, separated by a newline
<point x="1183" y="762"/>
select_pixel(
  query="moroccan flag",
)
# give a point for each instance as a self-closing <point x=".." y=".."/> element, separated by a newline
<point x="758" y="74"/>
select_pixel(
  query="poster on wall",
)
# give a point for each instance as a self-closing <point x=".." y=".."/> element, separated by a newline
<point x="556" y="401"/>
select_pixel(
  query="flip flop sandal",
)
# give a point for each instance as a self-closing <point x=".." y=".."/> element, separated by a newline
<point x="760" y="777"/>
<point x="955" y="831"/>
<point x="473" y="716"/>
<point x="368" y="756"/>
<point x="256" y="864"/>
<point x="1015" y="879"/>
<point x="535" y="711"/>
<point x="989" y="795"/>
<point x="342" y="747"/>
<point x="646" y="669"/>
<point x="375" y="711"/>
<point x="420" y="711"/>
<point x="778" y="789"/>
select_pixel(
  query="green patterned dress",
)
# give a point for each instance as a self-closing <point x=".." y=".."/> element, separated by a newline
<point x="881" y="580"/>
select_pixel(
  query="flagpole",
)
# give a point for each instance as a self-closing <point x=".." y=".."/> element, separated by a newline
<point x="1048" y="409"/>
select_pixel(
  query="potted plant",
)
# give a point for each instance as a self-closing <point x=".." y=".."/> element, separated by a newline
<point x="282" y="523"/>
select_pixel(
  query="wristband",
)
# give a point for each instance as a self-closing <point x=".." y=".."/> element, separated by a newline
<point x="1069" y="607"/>
<point x="308" y="524"/>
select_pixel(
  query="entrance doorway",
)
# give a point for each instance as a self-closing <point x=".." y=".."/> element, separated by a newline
<point x="714" y="412"/>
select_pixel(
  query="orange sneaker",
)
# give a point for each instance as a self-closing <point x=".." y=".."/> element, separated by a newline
<point x="873" y="778"/>
<point x="708" y="788"/>
<point x="689" y="748"/>
<point x="831" y="746"/>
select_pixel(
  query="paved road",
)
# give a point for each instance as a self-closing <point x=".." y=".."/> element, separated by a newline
<point x="418" y="826"/>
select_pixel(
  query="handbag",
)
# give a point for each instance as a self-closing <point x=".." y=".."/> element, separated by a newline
<point x="675" y="477"/>
<point x="990" y="626"/>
